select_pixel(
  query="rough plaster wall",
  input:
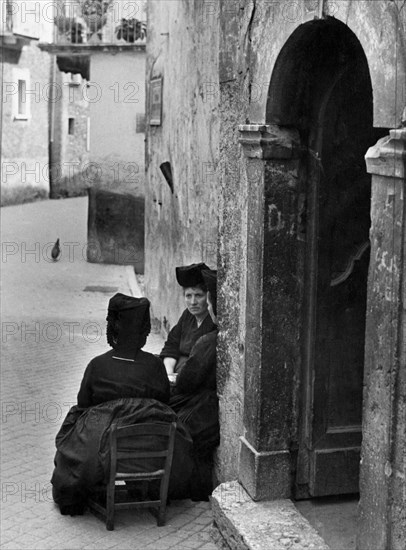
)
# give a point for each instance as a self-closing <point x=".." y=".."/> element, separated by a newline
<point x="115" y="145"/>
<point x="232" y="243"/>
<point x="25" y="142"/>
<point x="398" y="512"/>
<point x="181" y="228"/>
<point x="232" y="284"/>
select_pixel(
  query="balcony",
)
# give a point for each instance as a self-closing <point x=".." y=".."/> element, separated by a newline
<point x="83" y="26"/>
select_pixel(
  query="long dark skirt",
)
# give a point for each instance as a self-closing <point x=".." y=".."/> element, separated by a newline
<point x="200" y="414"/>
<point x="82" y="457"/>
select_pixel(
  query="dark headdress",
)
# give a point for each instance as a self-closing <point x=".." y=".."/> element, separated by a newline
<point x="190" y="275"/>
<point x="210" y="281"/>
<point x="128" y="322"/>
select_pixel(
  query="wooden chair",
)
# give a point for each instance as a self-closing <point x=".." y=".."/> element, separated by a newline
<point x="120" y="454"/>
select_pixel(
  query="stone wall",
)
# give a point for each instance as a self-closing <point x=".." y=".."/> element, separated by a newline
<point x="253" y="34"/>
<point x="181" y="224"/>
<point x="382" y="518"/>
<point x="235" y="187"/>
<point x="115" y="228"/>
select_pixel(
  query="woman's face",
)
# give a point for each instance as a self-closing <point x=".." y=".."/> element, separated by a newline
<point x="196" y="300"/>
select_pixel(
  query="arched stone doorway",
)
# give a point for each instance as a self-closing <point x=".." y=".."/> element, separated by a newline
<point x="326" y="95"/>
<point x="304" y="436"/>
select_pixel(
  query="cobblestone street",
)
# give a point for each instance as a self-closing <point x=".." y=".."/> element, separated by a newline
<point x="53" y="323"/>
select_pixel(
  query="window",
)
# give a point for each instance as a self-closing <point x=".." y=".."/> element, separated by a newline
<point x="22" y="95"/>
<point x="71" y="126"/>
<point x="22" y="98"/>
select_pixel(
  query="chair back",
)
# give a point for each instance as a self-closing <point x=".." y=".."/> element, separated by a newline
<point x="128" y="446"/>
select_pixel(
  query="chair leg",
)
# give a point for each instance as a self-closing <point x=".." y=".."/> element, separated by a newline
<point x="110" y="507"/>
<point x="161" y="515"/>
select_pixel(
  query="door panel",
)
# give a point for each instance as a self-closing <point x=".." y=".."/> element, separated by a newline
<point x="335" y="305"/>
<point x="334" y="471"/>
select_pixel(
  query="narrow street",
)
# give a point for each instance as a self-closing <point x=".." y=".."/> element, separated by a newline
<point x="53" y="323"/>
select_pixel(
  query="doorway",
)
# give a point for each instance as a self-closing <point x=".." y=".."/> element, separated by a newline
<point x="336" y="277"/>
<point x="321" y="86"/>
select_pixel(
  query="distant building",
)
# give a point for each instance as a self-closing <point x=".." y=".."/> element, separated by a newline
<point x="102" y="44"/>
<point x="45" y="120"/>
<point x="71" y="136"/>
<point x="26" y="77"/>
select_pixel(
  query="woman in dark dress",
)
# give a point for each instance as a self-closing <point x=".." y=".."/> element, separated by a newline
<point x="194" y="322"/>
<point x="126" y="370"/>
<point x="194" y="397"/>
<point x="125" y="385"/>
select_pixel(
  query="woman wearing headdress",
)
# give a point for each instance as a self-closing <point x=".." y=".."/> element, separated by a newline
<point x="194" y="322"/>
<point x="126" y="370"/>
<point x="125" y="385"/>
<point x="194" y="396"/>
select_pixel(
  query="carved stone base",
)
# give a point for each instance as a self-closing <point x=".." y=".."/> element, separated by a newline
<point x="264" y="475"/>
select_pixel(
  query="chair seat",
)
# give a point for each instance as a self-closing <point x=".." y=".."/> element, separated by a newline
<point x="141" y="475"/>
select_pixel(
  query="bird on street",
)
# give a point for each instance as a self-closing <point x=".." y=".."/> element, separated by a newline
<point x="56" y="251"/>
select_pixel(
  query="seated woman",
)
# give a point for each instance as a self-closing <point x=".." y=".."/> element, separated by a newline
<point x="126" y="385"/>
<point x="194" y="398"/>
<point x="125" y="371"/>
<point x="194" y="322"/>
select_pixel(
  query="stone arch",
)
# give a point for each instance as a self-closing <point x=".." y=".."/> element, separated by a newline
<point x="316" y="53"/>
<point x="380" y="28"/>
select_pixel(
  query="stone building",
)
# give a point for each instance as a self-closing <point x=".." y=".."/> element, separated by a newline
<point x="24" y="112"/>
<point x="107" y="66"/>
<point x="45" y="115"/>
<point x="282" y="125"/>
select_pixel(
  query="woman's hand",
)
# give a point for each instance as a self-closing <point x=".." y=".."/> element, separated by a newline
<point x="172" y="378"/>
<point x="170" y="363"/>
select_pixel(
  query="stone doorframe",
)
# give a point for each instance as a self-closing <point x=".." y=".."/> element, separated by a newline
<point x="382" y="509"/>
<point x="265" y="454"/>
<point x="269" y="424"/>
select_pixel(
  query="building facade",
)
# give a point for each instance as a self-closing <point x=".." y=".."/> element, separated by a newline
<point x="309" y="99"/>
<point x="101" y="46"/>
<point x="26" y="73"/>
<point x="45" y="113"/>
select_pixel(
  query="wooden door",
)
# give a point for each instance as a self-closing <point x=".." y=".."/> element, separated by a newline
<point x="337" y="259"/>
